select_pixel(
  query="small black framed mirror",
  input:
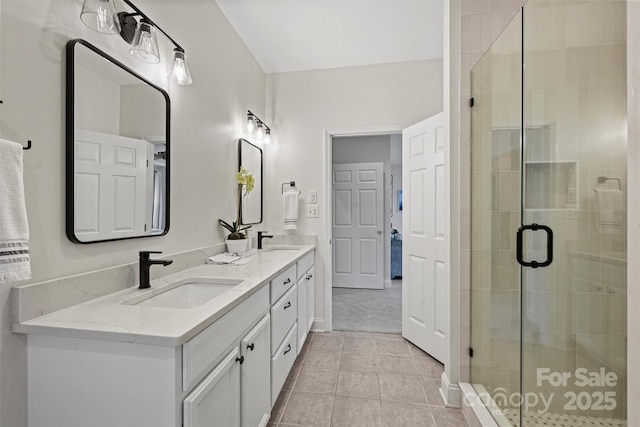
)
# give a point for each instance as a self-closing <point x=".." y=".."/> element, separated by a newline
<point x="250" y="158"/>
<point x="117" y="149"/>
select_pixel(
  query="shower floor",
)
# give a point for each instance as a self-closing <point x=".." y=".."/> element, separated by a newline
<point x="533" y="419"/>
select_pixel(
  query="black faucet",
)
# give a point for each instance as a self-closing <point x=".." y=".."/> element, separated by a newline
<point x="145" y="265"/>
<point x="261" y="236"/>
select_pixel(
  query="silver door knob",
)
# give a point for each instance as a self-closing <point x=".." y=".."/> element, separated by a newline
<point x="379" y="232"/>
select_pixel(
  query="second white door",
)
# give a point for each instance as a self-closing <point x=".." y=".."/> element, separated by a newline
<point x="358" y="223"/>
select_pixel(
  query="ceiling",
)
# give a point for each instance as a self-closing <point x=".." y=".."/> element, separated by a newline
<point x="296" y="35"/>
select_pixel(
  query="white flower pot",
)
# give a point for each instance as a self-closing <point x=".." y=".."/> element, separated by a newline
<point x="237" y="246"/>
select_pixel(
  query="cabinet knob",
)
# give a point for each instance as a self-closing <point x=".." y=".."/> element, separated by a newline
<point x="288" y="305"/>
<point x="309" y="276"/>
<point x="288" y="349"/>
<point x="240" y="359"/>
<point x="286" y="282"/>
<point x="251" y="346"/>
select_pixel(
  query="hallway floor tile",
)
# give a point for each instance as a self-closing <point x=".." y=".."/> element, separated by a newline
<point x="363" y="379"/>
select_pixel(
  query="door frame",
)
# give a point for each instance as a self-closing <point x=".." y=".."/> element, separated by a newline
<point x="327" y="139"/>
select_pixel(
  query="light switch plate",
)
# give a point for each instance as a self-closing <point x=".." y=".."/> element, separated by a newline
<point x="313" y="196"/>
<point x="312" y="211"/>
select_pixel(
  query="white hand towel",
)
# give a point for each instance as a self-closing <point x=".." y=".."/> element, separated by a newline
<point x="14" y="228"/>
<point x="290" y="210"/>
<point x="610" y="204"/>
<point x="223" y="258"/>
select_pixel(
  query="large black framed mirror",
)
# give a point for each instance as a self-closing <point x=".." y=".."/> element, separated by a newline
<point x="117" y="149"/>
<point x="250" y="158"/>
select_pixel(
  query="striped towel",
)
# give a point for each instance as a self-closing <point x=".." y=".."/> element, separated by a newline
<point x="14" y="229"/>
<point x="290" y="210"/>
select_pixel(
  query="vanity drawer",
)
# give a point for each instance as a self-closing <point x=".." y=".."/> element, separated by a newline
<point x="282" y="361"/>
<point x="305" y="264"/>
<point x="282" y="283"/>
<point x="283" y="316"/>
<point x="202" y="352"/>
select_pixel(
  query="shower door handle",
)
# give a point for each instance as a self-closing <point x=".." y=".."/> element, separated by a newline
<point x="534" y="264"/>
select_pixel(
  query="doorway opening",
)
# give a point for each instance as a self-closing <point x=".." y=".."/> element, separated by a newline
<point x="366" y="232"/>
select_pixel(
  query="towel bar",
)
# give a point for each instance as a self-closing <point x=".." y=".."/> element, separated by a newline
<point x="603" y="179"/>
<point x="292" y="185"/>
<point x="28" y="147"/>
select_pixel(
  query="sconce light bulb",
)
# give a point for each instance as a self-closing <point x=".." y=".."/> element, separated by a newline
<point x="260" y="132"/>
<point x="179" y="72"/>
<point x="251" y="125"/>
<point x="267" y="137"/>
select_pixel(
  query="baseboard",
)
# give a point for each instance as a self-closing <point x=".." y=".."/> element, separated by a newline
<point x="319" y="325"/>
<point x="451" y="393"/>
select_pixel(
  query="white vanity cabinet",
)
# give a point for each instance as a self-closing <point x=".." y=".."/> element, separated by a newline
<point x="255" y="375"/>
<point x="306" y="297"/>
<point x="237" y="392"/>
<point x="284" y="314"/>
<point x="215" y="402"/>
<point x="84" y="382"/>
<point x="111" y="364"/>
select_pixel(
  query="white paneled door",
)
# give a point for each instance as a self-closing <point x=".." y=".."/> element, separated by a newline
<point x="112" y="181"/>
<point x="358" y="223"/>
<point x="425" y="258"/>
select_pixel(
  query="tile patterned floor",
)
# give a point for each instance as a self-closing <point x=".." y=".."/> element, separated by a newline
<point x="357" y="379"/>
<point x="533" y="419"/>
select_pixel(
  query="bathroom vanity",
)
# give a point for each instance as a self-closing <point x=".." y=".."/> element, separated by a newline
<point x="209" y="346"/>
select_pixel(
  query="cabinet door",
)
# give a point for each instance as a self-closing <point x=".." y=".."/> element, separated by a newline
<point x="302" y="313"/>
<point x="255" y="375"/>
<point x="216" y="400"/>
<point x="311" y="298"/>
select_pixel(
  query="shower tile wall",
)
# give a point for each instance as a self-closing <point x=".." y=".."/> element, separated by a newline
<point x="575" y="104"/>
<point x="575" y="99"/>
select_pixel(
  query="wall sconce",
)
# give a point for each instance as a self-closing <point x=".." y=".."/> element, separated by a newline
<point x="101" y="16"/>
<point x="257" y="129"/>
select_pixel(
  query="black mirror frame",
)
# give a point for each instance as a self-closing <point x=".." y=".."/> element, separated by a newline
<point x="70" y="138"/>
<point x="240" y="142"/>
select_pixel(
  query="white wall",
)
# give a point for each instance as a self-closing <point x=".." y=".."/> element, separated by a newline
<point x="370" y="149"/>
<point x="301" y="106"/>
<point x="91" y="115"/>
<point x="206" y="118"/>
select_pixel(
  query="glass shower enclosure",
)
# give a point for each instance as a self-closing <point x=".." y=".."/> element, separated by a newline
<point x="548" y="217"/>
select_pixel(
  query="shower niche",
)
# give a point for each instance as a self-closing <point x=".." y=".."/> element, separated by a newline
<point x="551" y="185"/>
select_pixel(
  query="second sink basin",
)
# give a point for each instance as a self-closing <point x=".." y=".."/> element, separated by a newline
<point x="187" y="293"/>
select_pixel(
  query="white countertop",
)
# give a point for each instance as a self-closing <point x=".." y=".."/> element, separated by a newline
<point x="106" y="318"/>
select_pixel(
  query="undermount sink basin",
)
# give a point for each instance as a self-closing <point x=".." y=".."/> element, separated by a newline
<point x="186" y="293"/>
<point x="282" y="248"/>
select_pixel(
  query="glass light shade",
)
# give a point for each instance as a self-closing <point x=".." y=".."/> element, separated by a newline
<point x="145" y="43"/>
<point x="260" y="132"/>
<point x="179" y="72"/>
<point x="101" y="16"/>
<point x="267" y="137"/>
<point x="251" y="125"/>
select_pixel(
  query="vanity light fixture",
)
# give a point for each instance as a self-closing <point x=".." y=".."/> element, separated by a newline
<point x="101" y="15"/>
<point x="145" y="43"/>
<point x="251" y="124"/>
<point x="256" y="128"/>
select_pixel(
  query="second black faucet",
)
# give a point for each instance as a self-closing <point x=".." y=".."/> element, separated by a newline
<point x="262" y="235"/>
